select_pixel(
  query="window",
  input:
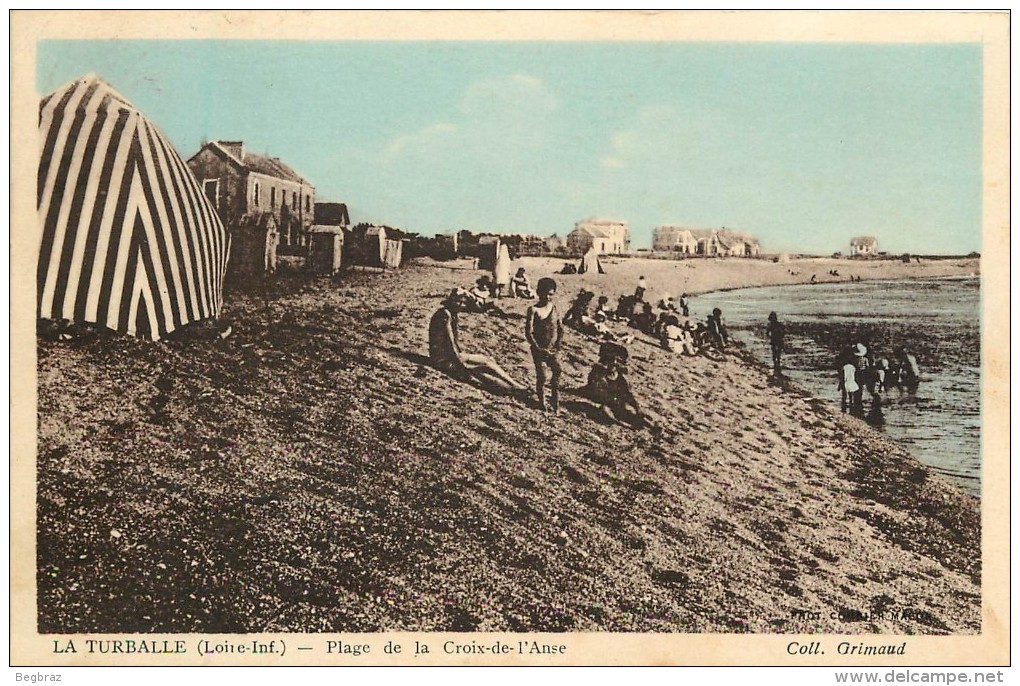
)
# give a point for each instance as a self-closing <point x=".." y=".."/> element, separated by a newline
<point x="308" y="203"/>
<point x="212" y="191"/>
<point x="294" y="201"/>
<point x="257" y="199"/>
<point x="272" y="197"/>
<point x="283" y="197"/>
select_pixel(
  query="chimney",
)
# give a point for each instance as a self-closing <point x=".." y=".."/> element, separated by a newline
<point x="235" y="148"/>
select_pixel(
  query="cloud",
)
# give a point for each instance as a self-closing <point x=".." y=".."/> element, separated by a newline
<point x="658" y="134"/>
<point x="611" y="163"/>
<point x="507" y="95"/>
<point x="500" y="121"/>
<point x="423" y="141"/>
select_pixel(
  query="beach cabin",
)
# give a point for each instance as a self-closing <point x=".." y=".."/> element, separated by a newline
<point x="253" y="245"/>
<point x="488" y="251"/>
<point x="325" y="249"/>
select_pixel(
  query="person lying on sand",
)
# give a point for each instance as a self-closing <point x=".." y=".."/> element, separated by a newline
<point x="481" y="298"/>
<point x="447" y="357"/>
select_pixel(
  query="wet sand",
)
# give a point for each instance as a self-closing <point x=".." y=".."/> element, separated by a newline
<point x="311" y="472"/>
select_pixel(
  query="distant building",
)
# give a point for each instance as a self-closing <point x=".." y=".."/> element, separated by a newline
<point x="606" y="236"/>
<point x="705" y="242"/>
<point x="553" y="243"/>
<point x="532" y="245"/>
<point x="737" y="243"/>
<point x="331" y="214"/>
<point x="863" y="245"/>
<point x="671" y="238"/>
<point x="239" y="182"/>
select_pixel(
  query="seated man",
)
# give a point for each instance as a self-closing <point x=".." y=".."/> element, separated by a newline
<point x="446" y="355"/>
<point x="520" y="287"/>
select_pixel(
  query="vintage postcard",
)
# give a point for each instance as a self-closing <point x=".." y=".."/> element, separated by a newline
<point x="510" y="338"/>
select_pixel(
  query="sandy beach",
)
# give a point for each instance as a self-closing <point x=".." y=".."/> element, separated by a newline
<point x="312" y="472"/>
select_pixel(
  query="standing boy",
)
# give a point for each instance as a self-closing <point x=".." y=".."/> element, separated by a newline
<point x="544" y="333"/>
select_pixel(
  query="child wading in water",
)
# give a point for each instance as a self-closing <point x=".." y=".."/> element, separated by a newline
<point x="544" y="332"/>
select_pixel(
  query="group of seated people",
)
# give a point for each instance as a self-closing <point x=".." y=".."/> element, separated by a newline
<point x="483" y="294"/>
<point x="669" y="322"/>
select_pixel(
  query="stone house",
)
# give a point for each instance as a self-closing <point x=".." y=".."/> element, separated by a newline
<point x="239" y="182"/>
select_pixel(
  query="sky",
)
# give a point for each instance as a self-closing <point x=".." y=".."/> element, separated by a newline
<point x="803" y="145"/>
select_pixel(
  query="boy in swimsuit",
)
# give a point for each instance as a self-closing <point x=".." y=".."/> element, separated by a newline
<point x="544" y="333"/>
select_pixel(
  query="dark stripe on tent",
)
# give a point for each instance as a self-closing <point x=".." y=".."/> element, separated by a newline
<point x="197" y="286"/>
<point x="162" y="250"/>
<point x="42" y="106"/>
<point x="116" y="228"/>
<point x="196" y="201"/>
<point x="142" y="323"/>
<point x="98" y="212"/>
<point x="174" y="231"/>
<point x="72" y="234"/>
<point x="157" y="319"/>
<point x="128" y="288"/>
<point x="51" y="142"/>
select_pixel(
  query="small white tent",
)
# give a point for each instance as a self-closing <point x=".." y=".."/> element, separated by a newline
<point x="591" y="262"/>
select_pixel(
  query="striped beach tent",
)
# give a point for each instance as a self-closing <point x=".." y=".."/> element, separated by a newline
<point x="129" y="241"/>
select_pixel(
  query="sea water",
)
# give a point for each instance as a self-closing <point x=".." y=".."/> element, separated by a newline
<point x="938" y="320"/>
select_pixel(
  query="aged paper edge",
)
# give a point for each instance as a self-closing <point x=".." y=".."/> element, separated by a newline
<point x="989" y="29"/>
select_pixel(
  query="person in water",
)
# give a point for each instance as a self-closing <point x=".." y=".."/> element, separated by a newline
<point x="446" y="355"/>
<point x="909" y="372"/>
<point x="544" y="332"/>
<point x="776" y="333"/>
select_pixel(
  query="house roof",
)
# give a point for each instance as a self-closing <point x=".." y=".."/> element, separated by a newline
<point x="593" y="231"/>
<point x="603" y="221"/>
<point x="863" y="240"/>
<point x="738" y="235"/>
<point x="260" y="164"/>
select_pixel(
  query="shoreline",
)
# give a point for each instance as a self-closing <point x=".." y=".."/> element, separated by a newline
<point x="812" y="379"/>
<point x="317" y="456"/>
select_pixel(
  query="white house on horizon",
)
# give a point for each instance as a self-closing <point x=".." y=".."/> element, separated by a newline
<point x="704" y="242"/>
<point x="863" y="245"/>
<point x="607" y="236"/>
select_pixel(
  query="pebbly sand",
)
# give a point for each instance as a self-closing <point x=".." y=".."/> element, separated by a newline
<point x="311" y="472"/>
